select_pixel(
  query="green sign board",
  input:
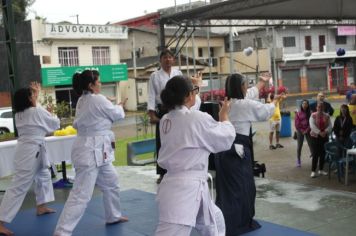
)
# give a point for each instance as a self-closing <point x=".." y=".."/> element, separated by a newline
<point x="53" y="76"/>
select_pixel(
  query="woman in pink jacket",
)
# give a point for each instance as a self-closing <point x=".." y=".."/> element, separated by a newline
<point x="302" y="128"/>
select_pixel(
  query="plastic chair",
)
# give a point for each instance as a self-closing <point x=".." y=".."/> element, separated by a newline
<point x="353" y="138"/>
<point x="332" y="156"/>
<point x="350" y="158"/>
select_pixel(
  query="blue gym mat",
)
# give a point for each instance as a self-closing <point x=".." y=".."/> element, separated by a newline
<point x="139" y="206"/>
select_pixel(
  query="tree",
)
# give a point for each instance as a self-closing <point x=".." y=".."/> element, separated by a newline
<point x="19" y="8"/>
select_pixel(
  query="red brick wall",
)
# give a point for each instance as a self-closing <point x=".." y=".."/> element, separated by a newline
<point x="5" y="99"/>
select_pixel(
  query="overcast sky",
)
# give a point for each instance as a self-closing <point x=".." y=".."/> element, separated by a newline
<point x="96" y="12"/>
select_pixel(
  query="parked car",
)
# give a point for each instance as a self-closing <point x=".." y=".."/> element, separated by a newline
<point x="6" y="120"/>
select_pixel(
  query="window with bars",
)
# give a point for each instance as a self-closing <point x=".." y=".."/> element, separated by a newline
<point x="289" y="41"/>
<point x="68" y="56"/>
<point x="257" y="42"/>
<point x="101" y="55"/>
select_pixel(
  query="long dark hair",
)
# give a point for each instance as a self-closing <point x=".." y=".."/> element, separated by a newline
<point x="233" y="86"/>
<point x="22" y="99"/>
<point x="81" y="81"/>
<point x="307" y="111"/>
<point x="175" y="92"/>
<point x="347" y="110"/>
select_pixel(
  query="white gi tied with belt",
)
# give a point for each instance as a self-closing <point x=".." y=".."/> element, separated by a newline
<point x="30" y="161"/>
<point x="156" y="84"/>
<point x="188" y="137"/>
<point x="92" y="156"/>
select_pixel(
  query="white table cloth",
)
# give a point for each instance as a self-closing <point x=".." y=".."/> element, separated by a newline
<point x="58" y="149"/>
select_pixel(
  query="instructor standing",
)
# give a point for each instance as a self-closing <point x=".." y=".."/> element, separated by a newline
<point x="156" y="84"/>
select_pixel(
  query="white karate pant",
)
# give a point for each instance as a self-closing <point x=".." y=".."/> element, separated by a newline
<point x="25" y="174"/>
<point x="106" y="179"/>
<point x="164" y="228"/>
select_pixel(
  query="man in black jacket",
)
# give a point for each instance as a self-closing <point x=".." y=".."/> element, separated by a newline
<point x="327" y="107"/>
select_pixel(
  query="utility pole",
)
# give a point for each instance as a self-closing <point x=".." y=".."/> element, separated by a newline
<point x="275" y="77"/>
<point x="77" y="16"/>
<point x="231" y="49"/>
<point x="134" y="54"/>
<point x="10" y="39"/>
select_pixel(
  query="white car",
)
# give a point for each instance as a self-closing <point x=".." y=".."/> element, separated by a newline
<point x="6" y="120"/>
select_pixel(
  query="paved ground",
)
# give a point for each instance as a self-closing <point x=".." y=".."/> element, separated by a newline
<point x="281" y="163"/>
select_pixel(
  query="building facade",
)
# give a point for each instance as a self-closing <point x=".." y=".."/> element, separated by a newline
<point x="64" y="48"/>
<point x="307" y="58"/>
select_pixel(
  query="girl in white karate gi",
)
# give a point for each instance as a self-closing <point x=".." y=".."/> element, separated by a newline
<point x="188" y="137"/>
<point x="30" y="161"/>
<point x="235" y="186"/>
<point x="92" y="154"/>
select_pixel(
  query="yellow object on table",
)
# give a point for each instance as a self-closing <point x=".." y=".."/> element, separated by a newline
<point x="69" y="130"/>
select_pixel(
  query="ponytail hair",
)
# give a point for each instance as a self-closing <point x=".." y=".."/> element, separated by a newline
<point x="233" y="86"/>
<point x="22" y="99"/>
<point x="81" y="81"/>
<point x="175" y="92"/>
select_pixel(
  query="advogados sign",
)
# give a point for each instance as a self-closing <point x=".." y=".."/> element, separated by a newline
<point x="72" y="31"/>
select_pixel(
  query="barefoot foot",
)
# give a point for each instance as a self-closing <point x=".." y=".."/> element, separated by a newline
<point x="42" y="210"/>
<point x="5" y="231"/>
<point x="122" y="219"/>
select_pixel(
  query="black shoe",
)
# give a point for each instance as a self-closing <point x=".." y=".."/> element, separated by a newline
<point x="271" y="147"/>
<point x="158" y="181"/>
<point x="279" y="145"/>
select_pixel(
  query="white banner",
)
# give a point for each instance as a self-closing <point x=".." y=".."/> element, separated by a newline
<point x="67" y="31"/>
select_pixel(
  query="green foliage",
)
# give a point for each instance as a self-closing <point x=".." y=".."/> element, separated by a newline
<point x="62" y="110"/>
<point x="7" y="136"/>
<point x="144" y="122"/>
<point x="19" y="8"/>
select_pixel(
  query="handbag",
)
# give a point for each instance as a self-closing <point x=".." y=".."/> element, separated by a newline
<point x="295" y="135"/>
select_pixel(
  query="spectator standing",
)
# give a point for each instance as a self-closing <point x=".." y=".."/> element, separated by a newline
<point x="327" y="106"/>
<point x="350" y="92"/>
<point x="352" y="109"/>
<point x="343" y="126"/>
<point x="275" y="120"/>
<point x="302" y="127"/>
<point x="320" y="125"/>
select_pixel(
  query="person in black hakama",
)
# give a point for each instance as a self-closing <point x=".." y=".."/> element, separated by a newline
<point x="235" y="186"/>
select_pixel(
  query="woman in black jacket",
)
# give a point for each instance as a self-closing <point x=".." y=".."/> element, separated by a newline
<point x="343" y="126"/>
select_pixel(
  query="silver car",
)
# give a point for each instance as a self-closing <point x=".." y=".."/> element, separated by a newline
<point x="6" y="120"/>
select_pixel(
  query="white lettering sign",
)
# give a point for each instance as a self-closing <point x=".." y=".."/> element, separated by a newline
<point x="85" y="31"/>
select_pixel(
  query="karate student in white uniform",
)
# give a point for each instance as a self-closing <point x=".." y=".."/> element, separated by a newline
<point x="188" y="137"/>
<point x="30" y="161"/>
<point x="92" y="155"/>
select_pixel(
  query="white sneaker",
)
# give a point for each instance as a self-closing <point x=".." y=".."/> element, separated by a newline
<point x="313" y="174"/>
<point x="321" y="172"/>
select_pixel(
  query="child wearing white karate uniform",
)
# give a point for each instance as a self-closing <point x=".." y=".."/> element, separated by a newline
<point x="92" y="154"/>
<point x="188" y="137"/>
<point x="30" y="161"/>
